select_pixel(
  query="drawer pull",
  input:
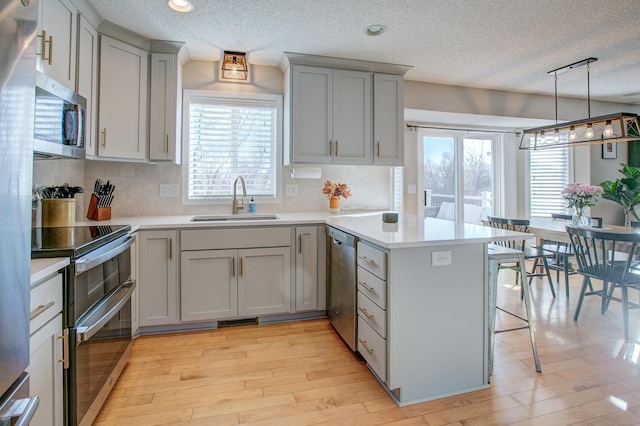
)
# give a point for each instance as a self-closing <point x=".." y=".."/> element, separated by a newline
<point x="366" y="259"/>
<point x="65" y="348"/>
<point x="366" y="314"/>
<point x="40" y="309"/>
<point x="369" y="289"/>
<point x="364" y="343"/>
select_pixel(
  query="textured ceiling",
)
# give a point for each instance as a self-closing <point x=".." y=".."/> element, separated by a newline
<point x="496" y="44"/>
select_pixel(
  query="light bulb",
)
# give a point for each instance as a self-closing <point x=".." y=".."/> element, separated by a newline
<point x="556" y="135"/>
<point x="542" y="136"/>
<point x="573" y="136"/>
<point x="589" y="133"/>
<point x="180" y="5"/>
<point x="608" y="130"/>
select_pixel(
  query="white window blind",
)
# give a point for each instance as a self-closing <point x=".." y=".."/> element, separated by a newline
<point x="398" y="187"/>
<point x="230" y="137"/>
<point x="549" y="174"/>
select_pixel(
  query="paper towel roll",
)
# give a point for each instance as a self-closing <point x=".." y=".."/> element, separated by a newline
<point x="306" y="172"/>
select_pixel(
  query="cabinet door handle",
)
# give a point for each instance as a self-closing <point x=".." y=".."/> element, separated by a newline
<point x="65" y="348"/>
<point x="330" y="148"/>
<point x="40" y="309"/>
<point x="240" y="266"/>
<point x="378" y="149"/>
<point x="366" y="314"/>
<point x="369" y="289"/>
<point x="233" y="267"/>
<point x="170" y="248"/>
<point x="364" y="343"/>
<point x="300" y="243"/>
<point x="167" y="144"/>
<point x="104" y="139"/>
<point x="50" y="50"/>
<point x="336" y="148"/>
<point x="43" y="47"/>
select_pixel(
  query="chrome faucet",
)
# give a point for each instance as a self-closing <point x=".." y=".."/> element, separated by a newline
<point x="237" y="206"/>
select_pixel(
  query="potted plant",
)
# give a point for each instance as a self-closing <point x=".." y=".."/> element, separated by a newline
<point x="624" y="191"/>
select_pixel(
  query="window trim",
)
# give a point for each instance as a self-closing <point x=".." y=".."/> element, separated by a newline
<point x="188" y="94"/>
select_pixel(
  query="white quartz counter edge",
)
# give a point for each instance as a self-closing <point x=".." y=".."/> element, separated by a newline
<point x="410" y="231"/>
<point x="42" y="268"/>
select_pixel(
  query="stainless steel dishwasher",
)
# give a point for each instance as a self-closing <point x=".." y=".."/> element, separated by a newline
<point x="341" y="291"/>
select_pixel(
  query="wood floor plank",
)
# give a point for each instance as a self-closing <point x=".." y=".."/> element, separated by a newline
<point x="301" y="373"/>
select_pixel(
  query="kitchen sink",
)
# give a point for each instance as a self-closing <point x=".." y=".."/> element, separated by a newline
<point x="231" y="218"/>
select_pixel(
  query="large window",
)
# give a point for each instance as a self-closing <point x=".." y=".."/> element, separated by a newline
<point x="228" y="136"/>
<point x="548" y="175"/>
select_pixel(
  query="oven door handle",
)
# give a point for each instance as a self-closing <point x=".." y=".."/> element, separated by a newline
<point x="110" y="251"/>
<point x="104" y="312"/>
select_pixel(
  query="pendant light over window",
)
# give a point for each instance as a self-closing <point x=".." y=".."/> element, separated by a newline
<point x="234" y="66"/>
<point x="620" y="127"/>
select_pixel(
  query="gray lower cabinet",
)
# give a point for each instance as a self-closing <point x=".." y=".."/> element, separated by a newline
<point x="228" y="273"/>
<point x="46" y="350"/>
<point x="158" y="304"/>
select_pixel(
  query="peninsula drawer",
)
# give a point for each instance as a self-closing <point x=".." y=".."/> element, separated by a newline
<point x="372" y="287"/>
<point x="211" y="239"/>
<point x="372" y="314"/>
<point x="373" y="260"/>
<point x="46" y="302"/>
<point x="373" y="349"/>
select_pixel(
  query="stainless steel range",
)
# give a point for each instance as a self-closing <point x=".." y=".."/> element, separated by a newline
<point x="96" y="313"/>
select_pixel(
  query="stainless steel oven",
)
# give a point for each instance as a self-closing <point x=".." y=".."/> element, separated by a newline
<point x="97" y="311"/>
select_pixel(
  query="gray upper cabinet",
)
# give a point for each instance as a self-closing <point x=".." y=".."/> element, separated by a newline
<point x="122" y="119"/>
<point x="165" y="101"/>
<point x="87" y="79"/>
<point x="341" y="111"/>
<point x="331" y="116"/>
<point x="388" y="119"/>
<point x="57" y="31"/>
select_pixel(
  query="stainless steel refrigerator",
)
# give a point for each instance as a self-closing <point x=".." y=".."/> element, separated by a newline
<point x="17" y="90"/>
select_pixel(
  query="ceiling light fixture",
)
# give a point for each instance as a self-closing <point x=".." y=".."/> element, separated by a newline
<point x="620" y="127"/>
<point x="234" y="66"/>
<point x="375" y="30"/>
<point x="182" y="6"/>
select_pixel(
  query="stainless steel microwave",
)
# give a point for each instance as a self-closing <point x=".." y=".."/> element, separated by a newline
<point x="59" y="120"/>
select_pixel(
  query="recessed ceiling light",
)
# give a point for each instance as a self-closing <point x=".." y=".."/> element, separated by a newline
<point x="375" y="30"/>
<point x="180" y="5"/>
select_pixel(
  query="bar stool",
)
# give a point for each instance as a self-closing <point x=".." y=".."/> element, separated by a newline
<point x="497" y="255"/>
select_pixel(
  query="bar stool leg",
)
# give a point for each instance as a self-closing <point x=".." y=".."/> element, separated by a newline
<point x="527" y="304"/>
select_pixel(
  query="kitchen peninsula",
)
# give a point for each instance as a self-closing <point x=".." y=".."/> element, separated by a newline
<point x="436" y="304"/>
<point x="434" y="342"/>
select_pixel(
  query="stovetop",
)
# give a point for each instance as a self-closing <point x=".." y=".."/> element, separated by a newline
<point x="73" y="241"/>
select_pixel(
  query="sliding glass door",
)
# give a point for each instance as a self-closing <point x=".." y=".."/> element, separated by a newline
<point x="457" y="175"/>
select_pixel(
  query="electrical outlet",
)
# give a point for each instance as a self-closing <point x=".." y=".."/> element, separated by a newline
<point x="292" y="190"/>
<point x="440" y="258"/>
<point x="168" y="189"/>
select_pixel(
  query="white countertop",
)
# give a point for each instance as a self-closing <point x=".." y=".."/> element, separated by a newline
<point x="184" y="221"/>
<point x="413" y="231"/>
<point x="42" y="268"/>
<point x="410" y="231"/>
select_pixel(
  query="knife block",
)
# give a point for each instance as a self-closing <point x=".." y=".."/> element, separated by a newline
<point x="97" y="213"/>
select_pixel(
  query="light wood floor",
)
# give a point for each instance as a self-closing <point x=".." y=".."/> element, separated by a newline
<point x="301" y="373"/>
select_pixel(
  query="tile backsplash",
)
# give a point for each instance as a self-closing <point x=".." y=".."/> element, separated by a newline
<point x="138" y="188"/>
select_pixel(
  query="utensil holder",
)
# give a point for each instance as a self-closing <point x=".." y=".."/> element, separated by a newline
<point x="58" y="212"/>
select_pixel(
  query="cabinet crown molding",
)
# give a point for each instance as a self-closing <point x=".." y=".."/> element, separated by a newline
<point x="290" y="58"/>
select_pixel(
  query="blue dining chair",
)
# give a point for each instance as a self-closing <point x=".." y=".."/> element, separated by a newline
<point x="610" y="258"/>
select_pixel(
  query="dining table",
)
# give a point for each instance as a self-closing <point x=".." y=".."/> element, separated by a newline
<point x="546" y="228"/>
